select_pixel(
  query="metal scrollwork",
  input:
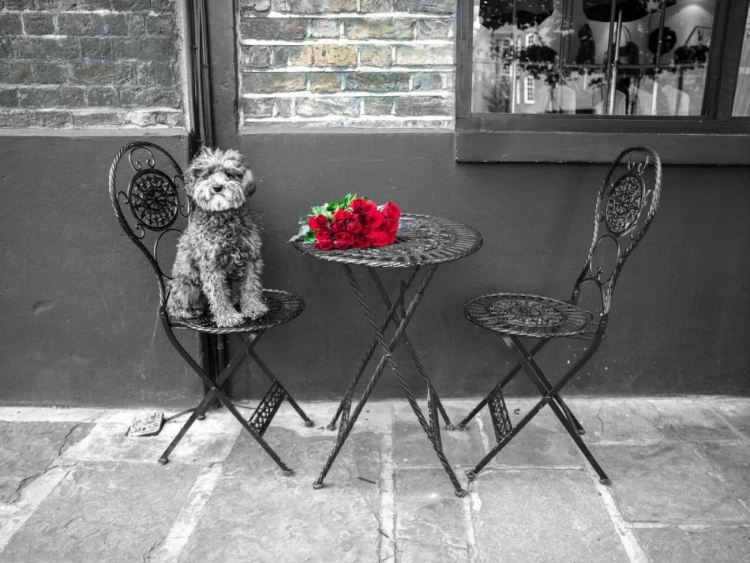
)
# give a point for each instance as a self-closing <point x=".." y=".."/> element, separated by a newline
<point x="624" y="203"/>
<point x="153" y="199"/>
<point x="135" y="161"/>
<point x="526" y="313"/>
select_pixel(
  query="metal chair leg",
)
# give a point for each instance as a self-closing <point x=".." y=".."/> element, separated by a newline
<point x="214" y="392"/>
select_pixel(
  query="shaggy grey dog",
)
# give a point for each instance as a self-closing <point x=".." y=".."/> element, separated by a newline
<point x="218" y="262"/>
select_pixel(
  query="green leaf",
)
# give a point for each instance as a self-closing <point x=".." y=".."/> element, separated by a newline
<point x="304" y="230"/>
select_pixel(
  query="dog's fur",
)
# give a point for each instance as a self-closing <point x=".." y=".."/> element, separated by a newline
<point x="218" y="262"/>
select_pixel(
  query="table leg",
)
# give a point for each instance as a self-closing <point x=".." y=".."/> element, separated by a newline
<point x="371" y="349"/>
<point x="410" y="347"/>
<point x="432" y="430"/>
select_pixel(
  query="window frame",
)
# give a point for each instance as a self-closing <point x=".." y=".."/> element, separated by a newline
<point x="714" y="138"/>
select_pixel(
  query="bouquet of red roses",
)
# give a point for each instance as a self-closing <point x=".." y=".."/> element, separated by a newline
<point x="351" y="222"/>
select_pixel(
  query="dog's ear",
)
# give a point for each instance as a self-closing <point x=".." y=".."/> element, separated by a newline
<point x="196" y="164"/>
<point x="248" y="183"/>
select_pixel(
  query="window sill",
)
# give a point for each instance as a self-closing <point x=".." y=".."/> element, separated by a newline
<point x="720" y="148"/>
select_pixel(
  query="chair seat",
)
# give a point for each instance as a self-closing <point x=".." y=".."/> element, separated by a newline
<point x="527" y="315"/>
<point x="282" y="307"/>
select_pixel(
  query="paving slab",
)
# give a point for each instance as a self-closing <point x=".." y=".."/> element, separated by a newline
<point x="540" y="516"/>
<point x="207" y="441"/>
<point x="412" y="447"/>
<point x="668" y="482"/>
<point x="257" y="514"/>
<point x="736" y="411"/>
<point x="28" y="448"/>
<point x="430" y="522"/>
<point x="731" y="464"/>
<point x="543" y="442"/>
<point x="670" y="545"/>
<point x="103" y="512"/>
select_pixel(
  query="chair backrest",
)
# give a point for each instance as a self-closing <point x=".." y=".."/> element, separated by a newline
<point x="146" y="190"/>
<point x="625" y="206"/>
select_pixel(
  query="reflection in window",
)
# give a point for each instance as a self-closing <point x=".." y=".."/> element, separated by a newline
<point x="742" y="93"/>
<point x="657" y="65"/>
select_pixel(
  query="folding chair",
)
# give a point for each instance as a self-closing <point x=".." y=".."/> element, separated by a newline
<point x="625" y="207"/>
<point x="152" y="210"/>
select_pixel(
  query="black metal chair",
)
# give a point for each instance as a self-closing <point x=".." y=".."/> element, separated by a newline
<point x="625" y="207"/>
<point x="152" y="211"/>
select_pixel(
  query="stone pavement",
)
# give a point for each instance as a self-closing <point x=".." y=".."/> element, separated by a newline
<point x="74" y="488"/>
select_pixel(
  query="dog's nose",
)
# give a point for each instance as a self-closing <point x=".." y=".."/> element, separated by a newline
<point x="217" y="189"/>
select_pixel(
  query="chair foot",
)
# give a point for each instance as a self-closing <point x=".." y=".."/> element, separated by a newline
<point x="460" y="493"/>
<point x="288" y="472"/>
<point x="309" y="423"/>
<point x="318" y="484"/>
<point x="605" y="481"/>
<point x="450" y="426"/>
<point x="581" y="431"/>
<point x="461" y="426"/>
<point x="163" y="460"/>
<point x="201" y="417"/>
<point x="470" y="475"/>
<point x="331" y="426"/>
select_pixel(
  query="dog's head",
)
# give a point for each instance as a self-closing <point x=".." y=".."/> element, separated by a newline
<point x="219" y="180"/>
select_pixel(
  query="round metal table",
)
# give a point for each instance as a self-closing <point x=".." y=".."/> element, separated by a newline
<point x="421" y="240"/>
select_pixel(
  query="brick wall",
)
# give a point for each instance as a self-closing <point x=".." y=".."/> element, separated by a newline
<point x="371" y="63"/>
<point x="89" y="63"/>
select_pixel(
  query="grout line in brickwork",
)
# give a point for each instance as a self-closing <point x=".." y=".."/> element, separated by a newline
<point x="177" y="538"/>
<point x="391" y="70"/>
<point x="345" y="41"/>
<point x="352" y="94"/>
<point x="358" y="16"/>
<point x="387" y="516"/>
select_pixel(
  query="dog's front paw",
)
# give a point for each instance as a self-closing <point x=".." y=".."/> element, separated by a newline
<point x="187" y="313"/>
<point x="254" y="310"/>
<point x="229" y="319"/>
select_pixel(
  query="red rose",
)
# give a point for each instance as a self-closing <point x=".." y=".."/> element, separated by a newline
<point x="367" y="231"/>
<point x="391" y="211"/>
<point x="345" y="237"/>
<point x="322" y="233"/>
<point x="361" y="242"/>
<point x="369" y="207"/>
<point x="338" y="226"/>
<point x="341" y="245"/>
<point x="357" y="204"/>
<point x="390" y="225"/>
<point x="326" y="244"/>
<point x="341" y="215"/>
<point x="374" y="219"/>
<point x="353" y="226"/>
<point x="379" y="238"/>
<point x="356" y="216"/>
<point x="317" y="221"/>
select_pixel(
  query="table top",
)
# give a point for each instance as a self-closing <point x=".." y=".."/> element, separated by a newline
<point x="421" y="239"/>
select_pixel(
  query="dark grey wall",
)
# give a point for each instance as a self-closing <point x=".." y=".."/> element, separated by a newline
<point x="79" y="317"/>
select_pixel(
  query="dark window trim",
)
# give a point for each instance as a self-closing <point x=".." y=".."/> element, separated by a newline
<point x="715" y="138"/>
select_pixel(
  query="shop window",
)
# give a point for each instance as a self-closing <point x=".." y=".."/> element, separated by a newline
<point x="667" y="70"/>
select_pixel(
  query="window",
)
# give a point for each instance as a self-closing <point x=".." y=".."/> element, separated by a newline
<point x="603" y="74"/>
<point x="528" y="90"/>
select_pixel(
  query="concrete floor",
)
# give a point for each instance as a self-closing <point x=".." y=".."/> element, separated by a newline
<point x="74" y="488"/>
